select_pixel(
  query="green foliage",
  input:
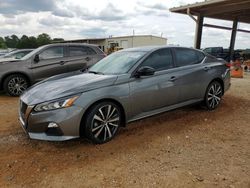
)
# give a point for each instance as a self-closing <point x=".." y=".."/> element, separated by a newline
<point x="33" y="42"/>
<point x="57" y="40"/>
<point x="23" y="42"/>
<point x="27" y="42"/>
<point x="2" y="43"/>
<point x="11" y="42"/>
<point x="43" y="39"/>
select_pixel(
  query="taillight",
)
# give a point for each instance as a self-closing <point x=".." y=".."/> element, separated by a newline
<point x="228" y="65"/>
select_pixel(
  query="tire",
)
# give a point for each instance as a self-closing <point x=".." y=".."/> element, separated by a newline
<point x="213" y="95"/>
<point x="15" y="84"/>
<point x="103" y="122"/>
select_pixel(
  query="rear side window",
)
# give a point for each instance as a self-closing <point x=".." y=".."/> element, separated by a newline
<point x="188" y="56"/>
<point x="159" y="60"/>
<point x="52" y="52"/>
<point x="80" y="51"/>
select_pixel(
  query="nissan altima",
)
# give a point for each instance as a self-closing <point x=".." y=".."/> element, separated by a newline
<point x="125" y="86"/>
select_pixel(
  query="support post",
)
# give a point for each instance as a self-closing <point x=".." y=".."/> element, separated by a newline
<point x="232" y="41"/>
<point x="198" y="32"/>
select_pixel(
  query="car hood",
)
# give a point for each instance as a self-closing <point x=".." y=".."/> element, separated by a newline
<point x="8" y="60"/>
<point x="65" y="85"/>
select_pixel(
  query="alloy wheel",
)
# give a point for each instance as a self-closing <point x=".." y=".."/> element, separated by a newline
<point x="214" y="95"/>
<point x="105" y="122"/>
<point x="17" y="85"/>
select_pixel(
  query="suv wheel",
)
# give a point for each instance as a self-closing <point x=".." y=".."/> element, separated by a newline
<point x="103" y="122"/>
<point x="15" y="84"/>
<point x="213" y="95"/>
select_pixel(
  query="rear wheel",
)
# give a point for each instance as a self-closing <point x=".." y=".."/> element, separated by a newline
<point x="213" y="95"/>
<point x="103" y="122"/>
<point x="15" y="84"/>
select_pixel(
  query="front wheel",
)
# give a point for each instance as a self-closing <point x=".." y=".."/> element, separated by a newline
<point x="213" y="95"/>
<point x="15" y="84"/>
<point x="102" y="122"/>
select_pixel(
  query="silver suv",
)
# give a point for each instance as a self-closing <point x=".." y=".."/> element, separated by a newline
<point x="17" y="75"/>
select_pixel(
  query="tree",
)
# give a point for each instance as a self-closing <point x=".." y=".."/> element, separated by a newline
<point x="24" y="42"/>
<point x="43" y="39"/>
<point x="15" y="40"/>
<point x="57" y="40"/>
<point x="33" y="42"/>
<point x="27" y="42"/>
<point x="2" y="43"/>
<point x="11" y="41"/>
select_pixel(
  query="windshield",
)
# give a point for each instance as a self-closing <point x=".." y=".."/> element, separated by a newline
<point x="17" y="54"/>
<point x="31" y="53"/>
<point x="117" y="63"/>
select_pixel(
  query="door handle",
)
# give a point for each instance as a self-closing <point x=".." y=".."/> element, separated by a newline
<point x="62" y="62"/>
<point x="206" y="68"/>
<point x="87" y="58"/>
<point x="172" y="79"/>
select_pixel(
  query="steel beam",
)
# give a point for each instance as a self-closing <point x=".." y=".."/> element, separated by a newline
<point x="233" y="37"/>
<point x="198" y="32"/>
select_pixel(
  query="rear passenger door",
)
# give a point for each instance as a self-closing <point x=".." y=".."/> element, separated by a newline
<point x="191" y="75"/>
<point x="80" y="57"/>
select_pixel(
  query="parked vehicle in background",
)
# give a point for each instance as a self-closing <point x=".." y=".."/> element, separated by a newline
<point x="125" y="86"/>
<point x="16" y="54"/>
<point x="246" y="54"/>
<point x="49" y="60"/>
<point x="220" y="52"/>
<point x="2" y="54"/>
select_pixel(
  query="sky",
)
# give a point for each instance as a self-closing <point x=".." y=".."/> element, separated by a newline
<point x="75" y="19"/>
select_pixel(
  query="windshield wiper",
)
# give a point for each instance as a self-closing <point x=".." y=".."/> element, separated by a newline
<point x="95" y="72"/>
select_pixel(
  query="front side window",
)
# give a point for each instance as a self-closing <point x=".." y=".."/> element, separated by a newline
<point x="159" y="60"/>
<point x="50" y="53"/>
<point x="188" y="56"/>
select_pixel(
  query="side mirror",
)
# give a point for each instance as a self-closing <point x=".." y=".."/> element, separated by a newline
<point x="36" y="58"/>
<point x="145" y="71"/>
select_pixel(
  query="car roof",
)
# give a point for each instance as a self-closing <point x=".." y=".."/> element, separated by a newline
<point x="153" y="48"/>
<point x="69" y="44"/>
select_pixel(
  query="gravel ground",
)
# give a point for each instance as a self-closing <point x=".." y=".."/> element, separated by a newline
<point x="188" y="147"/>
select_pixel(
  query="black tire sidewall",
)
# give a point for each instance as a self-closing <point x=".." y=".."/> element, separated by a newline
<point x="6" y="82"/>
<point x="88" y="122"/>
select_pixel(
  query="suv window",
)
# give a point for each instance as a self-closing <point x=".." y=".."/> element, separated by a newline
<point x="19" y="55"/>
<point x="80" y="51"/>
<point x="53" y="52"/>
<point x="208" y="50"/>
<point x="159" y="60"/>
<point x="188" y="56"/>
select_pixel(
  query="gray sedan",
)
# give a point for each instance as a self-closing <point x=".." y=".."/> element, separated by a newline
<point x="126" y="86"/>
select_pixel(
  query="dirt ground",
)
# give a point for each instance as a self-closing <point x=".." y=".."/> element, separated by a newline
<point x="188" y="147"/>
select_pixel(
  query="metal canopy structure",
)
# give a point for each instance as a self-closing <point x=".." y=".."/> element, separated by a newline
<point x="231" y="10"/>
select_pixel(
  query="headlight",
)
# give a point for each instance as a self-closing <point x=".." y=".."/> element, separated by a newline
<point x="60" y="103"/>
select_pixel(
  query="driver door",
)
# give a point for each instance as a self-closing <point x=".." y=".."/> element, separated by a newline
<point x="52" y="61"/>
<point x="157" y="91"/>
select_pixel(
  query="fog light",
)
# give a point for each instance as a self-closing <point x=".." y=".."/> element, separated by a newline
<point x="52" y="125"/>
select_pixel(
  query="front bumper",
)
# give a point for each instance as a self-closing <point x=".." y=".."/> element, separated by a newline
<point x="68" y="121"/>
